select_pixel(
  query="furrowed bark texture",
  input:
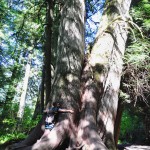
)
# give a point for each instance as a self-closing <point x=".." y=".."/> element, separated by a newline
<point x="106" y="61"/>
<point x="88" y="137"/>
<point x="66" y="85"/>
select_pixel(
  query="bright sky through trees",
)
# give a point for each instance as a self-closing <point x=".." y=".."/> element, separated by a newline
<point x="95" y="9"/>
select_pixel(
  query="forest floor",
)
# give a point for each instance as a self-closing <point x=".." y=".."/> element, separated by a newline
<point x="133" y="147"/>
<point x="120" y="147"/>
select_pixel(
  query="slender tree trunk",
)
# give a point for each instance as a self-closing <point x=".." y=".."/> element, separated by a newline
<point x="42" y="89"/>
<point x="40" y="101"/>
<point x="24" y="91"/>
<point x="47" y="55"/>
<point x="118" y="121"/>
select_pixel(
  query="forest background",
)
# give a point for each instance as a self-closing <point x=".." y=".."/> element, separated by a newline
<point x="23" y="60"/>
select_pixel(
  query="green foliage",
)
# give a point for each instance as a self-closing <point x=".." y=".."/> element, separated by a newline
<point x="21" y="34"/>
<point x="138" y="53"/>
<point x="137" y="69"/>
<point x="9" y="137"/>
<point x="28" y="123"/>
<point x="124" y="96"/>
<point x="128" y="123"/>
<point x="10" y="124"/>
<point x="135" y="80"/>
<point x="131" y="125"/>
<point x="141" y="14"/>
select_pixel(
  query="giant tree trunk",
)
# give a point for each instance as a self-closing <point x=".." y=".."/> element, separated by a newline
<point x="106" y="63"/>
<point x="66" y="86"/>
<point x="88" y="137"/>
<point x="67" y="73"/>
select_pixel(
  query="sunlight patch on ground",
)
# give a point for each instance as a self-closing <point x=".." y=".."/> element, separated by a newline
<point x="137" y="147"/>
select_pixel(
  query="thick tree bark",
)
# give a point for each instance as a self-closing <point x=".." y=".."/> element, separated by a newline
<point x="106" y="61"/>
<point x="68" y="71"/>
<point x="66" y="86"/>
<point x="88" y="137"/>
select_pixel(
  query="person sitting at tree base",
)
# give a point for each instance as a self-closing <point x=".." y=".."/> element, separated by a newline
<point x="51" y="114"/>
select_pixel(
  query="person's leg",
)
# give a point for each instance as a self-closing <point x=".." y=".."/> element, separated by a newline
<point x="47" y="130"/>
<point x="51" y="126"/>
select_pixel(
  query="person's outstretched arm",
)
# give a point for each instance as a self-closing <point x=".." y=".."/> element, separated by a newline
<point x="65" y="110"/>
<point x="45" y="111"/>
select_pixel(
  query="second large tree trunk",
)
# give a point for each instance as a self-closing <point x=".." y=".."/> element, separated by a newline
<point x="106" y="63"/>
